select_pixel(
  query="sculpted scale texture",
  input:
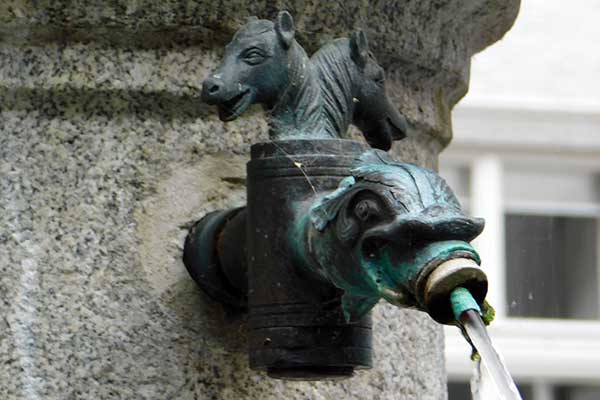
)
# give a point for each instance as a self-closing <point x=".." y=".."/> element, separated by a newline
<point x="374" y="234"/>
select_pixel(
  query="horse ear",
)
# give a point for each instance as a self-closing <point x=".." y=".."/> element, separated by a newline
<point x="359" y="48"/>
<point x="284" y="26"/>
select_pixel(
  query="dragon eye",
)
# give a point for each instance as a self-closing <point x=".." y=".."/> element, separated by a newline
<point x="366" y="209"/>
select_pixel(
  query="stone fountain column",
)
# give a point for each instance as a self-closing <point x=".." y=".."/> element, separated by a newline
<point x="107" y="155"/>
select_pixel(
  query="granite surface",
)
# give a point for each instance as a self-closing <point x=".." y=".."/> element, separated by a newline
<point x="99" y="184"/>
<point x="107" y="157"/>
<point x="425" y="46"/>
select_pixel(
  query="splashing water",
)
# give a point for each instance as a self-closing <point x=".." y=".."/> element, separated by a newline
<point x="490" y="366"/>
<point x="482" y="387"/>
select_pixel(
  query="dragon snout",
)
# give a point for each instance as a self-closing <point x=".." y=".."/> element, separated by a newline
<point x="422" y="229"/>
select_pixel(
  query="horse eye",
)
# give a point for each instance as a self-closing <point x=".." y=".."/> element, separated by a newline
<point x="366" y="209"/>
<point x="253" y="56"/>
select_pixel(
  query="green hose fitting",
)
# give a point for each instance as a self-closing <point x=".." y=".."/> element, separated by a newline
<point x="461" y="301"/>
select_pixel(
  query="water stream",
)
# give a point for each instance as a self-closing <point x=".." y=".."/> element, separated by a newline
<point x="495" y="369"/>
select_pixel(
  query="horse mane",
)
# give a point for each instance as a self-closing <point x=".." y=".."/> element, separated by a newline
<point x="333" y="65"/>
<point x="298" y="112"/>
<point x="253" y="28"/>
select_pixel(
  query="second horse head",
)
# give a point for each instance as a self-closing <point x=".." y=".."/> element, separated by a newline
<point x="353" y="90"/>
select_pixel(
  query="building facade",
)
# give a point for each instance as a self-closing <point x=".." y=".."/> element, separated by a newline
<point x="526" y="156"/>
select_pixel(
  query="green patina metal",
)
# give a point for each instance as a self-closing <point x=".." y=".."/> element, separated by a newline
<point x="395" y="281"/>
<point x="379" y="230"/>
<point x="309" y="98"/>
<point x="461" y="301"/>
<point x="406" y="270"/>
<point x="389" y="230"/>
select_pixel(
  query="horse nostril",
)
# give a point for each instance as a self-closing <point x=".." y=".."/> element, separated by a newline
<point x="212" y="90"/>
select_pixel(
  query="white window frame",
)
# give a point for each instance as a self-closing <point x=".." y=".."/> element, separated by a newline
<point x="544" y="352"/>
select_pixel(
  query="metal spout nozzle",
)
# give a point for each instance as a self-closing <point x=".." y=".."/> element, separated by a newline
<point x="444" y="279"/>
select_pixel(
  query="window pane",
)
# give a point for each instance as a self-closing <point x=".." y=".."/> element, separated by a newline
<point x="462" y="391"/>
<point x="459" y="391"/>
<point x="578" y="393"/>
<point x="551" y="266"/>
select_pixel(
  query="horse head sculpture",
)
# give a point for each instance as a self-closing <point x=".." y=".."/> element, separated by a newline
<point x="353" y="90"/>
<point x="305" y="98"/>
<point x="264" y="64"/>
